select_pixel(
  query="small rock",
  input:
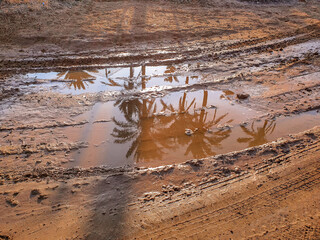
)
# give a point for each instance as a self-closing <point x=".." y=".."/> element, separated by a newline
<point x="211" y="107"/>
<point x="188" y="132"/>
<point x="242" y="96"/>
<point x="224" y="127"/>
<point x="243" y="124"/>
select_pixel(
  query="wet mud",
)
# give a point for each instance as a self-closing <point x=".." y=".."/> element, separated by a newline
<point x="158" y="120"/>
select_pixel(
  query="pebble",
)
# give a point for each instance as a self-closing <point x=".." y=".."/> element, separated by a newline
<point x="243" y="124"/>
<point x="188" y="132"/>
<point x="242" y="96"/>
<point x="211" y="107"/>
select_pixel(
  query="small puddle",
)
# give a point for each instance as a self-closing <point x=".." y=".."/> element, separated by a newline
<point x="112" y="79"/>
<point x="175" y="128"/>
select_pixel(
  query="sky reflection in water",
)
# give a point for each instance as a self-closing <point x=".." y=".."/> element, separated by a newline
<point x="114" y="79"/>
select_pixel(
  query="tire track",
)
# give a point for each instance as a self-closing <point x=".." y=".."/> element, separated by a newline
<point x="278" y="193"/>
<point x="301" y="181"/>
<point x="296" y="95"/>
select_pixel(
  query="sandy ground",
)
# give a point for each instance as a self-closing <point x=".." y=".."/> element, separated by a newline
<point x="267" y="51"/>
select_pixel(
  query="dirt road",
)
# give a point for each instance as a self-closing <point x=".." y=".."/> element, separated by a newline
<point x="159" y="120"/>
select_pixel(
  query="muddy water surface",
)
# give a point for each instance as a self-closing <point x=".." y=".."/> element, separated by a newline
<point x="179" y="126"/>
<point x="156" y="131"/>
<point x="175" y="128"/>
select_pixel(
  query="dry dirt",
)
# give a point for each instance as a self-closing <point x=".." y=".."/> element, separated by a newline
<point x="262" y="56"/>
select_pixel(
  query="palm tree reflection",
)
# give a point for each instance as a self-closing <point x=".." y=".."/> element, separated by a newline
<point x="171" y="70"/>
<point x="131" y="82"/>
<point x="135" y="128"/>
<point x="77" y="79"/>
<point x="152" y="136"/>
<point x="258" y="136"/>
<point x="227" y="94"/>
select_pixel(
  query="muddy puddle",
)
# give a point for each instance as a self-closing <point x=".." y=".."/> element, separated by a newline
<point x="112" y="79"/>
<point x="175" y="128"/>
